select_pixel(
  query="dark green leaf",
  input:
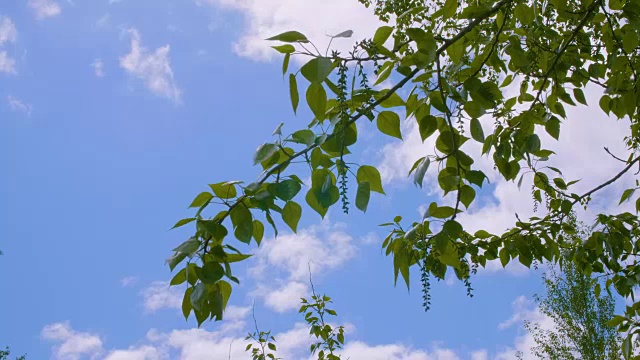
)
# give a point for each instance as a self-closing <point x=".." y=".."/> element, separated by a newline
<point x="476" y="130"/>
<point x="287" y="189"/>
<point x="293" y="92"/>
<point x="211" y="272"/>
<point x="363" y="195"/>
<point x="553" y="128"/>
<point x="242" y="222"/>
<point x="467" y="194"/>
<point x="199" y="296"/>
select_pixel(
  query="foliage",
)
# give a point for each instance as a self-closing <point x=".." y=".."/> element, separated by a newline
<point x="580" y="317"/>
<point x="4" y="355"/>
<point x="328" y="338"/>
<point x="456" y="58"/>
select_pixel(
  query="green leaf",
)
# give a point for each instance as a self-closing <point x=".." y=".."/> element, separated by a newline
<point x="314" y="203"/>
<point x="186" y="303"/>
<point x="183" y="222"/>
<point x="382" y="34"/>
<point x="553" y="128"/>
<point x="504" y="257"/>
<point x="293" y="92"/>
<point x="214" y="228"/>
<point x="476" y="177"/>
<point x="242" y="222"/>
<point x="202" y="199"/>
<point x="605" y="104"/>
<point x="421" y="170"/>
<point x="258" y="231"/>
<point x="287" y="189"/>
<point x="305" y="137"/>
<point x="467" y="195"/>
<point x="579" y="95"/>
<point x="317" y="69"/>
<point x="188" y="247"/>
<point x="474" y="109"/>
<point x="264" y="152"/>
<point x="175" y="260"/>
<point x="476" y="130"/>
<point x="389" y="123"/>
<point x="427" y="125"/>
<point x="291" y="214"/>
<point x="290" y="36"/>
<point x="630" y="41"/>
<point x="532" y="144"/>
<point x="450" y="8"/>
<point x="211" y="272"/>
<point x="198" y="296"/>
<point x="180" y="277"/>
<point x="440" y="212"/>
<point x="626" y="195"/>
<point x="285" y="63"/>
<point x="371" y="175"/>
<point x="285" y="49"/>
<point x="317" y="100"/>
<point x="224" y="190"/>
<point x="453" y="229"/>
<point x="363" y="195"/>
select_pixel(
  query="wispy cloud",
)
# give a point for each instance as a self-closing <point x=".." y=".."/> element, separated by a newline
<point x="98" y="67"/>
<point x="129" y="281"/>
<point x="159" y="295"/>
<point x="7" y="64"/>
<point x="44" y="8"/>
<point x="8" y="32"/>
<point x="153" y="68"/>
<point x="18" y="105"/>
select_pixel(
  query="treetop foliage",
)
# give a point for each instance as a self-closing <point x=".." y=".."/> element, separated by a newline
<point x="456" y="58"/>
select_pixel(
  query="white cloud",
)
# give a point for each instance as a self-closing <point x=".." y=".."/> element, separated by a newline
<point x="286" y="297"/>
<point x="7" y="64"/>
<point x="98" y="67"/>
<point x="523" y="310"/>
<point x="321" y="247"/>
<point x="128" y="281"/>
<point x="153" y="68"/>
<point x="139" y="353"/>
<point x="8" y="32"/>
<point x="18" y="105"/>
<point x="315" y="19"/>
<point x="72" y="345"/>
<point x="159" y="295"/>
<point x="288" y="258"/>
<point x="45" y="8"/>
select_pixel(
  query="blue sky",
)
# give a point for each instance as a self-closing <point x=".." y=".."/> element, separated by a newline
<point x="114" y="114"/>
